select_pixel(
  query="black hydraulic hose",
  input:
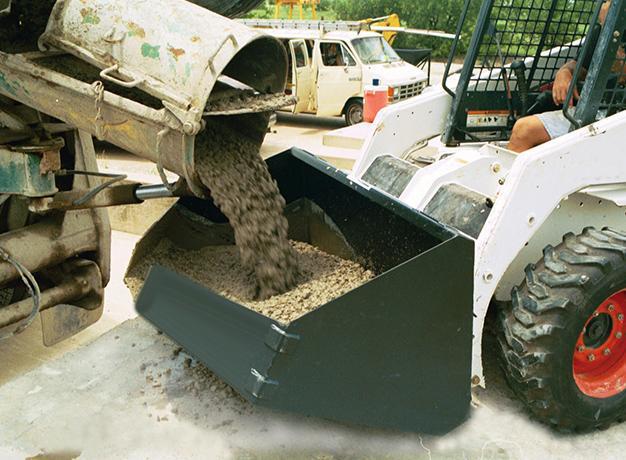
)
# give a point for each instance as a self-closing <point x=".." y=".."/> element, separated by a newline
<point x="33" y="289"/>
<point x="519" y="68"/>
<point x="94" y="191"/>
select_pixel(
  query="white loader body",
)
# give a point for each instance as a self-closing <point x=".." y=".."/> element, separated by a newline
<point x="565" y="185"/>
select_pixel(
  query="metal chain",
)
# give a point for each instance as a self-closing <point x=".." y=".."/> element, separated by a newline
<point x="98" y="90"/>
<point x="159" y="140"/>
<point x="5" y="294"/>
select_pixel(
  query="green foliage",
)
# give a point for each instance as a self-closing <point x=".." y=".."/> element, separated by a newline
<point x="426" y="14"/>
<point x="264" y="11"/>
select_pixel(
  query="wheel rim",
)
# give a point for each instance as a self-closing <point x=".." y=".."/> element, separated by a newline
<point x="600" y="355"/>
<point x="355" y="115"/>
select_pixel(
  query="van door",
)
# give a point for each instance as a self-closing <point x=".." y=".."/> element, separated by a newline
<point x="302" y="75"/>
<point x="339" y="77"/>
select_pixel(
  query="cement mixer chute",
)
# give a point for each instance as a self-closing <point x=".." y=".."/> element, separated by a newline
<point x="159" y="79"/>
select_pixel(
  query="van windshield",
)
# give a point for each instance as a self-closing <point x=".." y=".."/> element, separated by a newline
<point x="374" y="50"/>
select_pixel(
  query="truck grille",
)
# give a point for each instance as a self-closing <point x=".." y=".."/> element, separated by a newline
<point x="410" y="90"/>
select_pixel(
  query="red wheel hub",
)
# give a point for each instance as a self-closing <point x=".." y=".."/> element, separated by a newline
<point x="600" y="353"/>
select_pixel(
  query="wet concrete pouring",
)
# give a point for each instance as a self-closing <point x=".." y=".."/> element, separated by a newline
<point x="229" y="164"/>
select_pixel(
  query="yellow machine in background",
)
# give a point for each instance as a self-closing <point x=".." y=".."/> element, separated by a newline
<point x="300" y="4"/>
<point x="391" y="21"/>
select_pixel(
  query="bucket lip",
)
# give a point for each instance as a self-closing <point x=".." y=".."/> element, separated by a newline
<point x="413" y="216"/>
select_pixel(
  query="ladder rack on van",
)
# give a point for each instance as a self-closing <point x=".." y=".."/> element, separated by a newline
<point x="326" y="26"/>
<point x="341" y="26"/>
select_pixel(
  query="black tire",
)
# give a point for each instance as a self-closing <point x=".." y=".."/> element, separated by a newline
<point x="353" y="112"/>
<point x="549" y="313"/>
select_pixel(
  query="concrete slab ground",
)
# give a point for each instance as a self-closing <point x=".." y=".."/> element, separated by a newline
<point x="133" y="394"/>
<point x="25" y="352"/>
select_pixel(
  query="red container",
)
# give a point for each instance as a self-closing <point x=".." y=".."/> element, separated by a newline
<point x="375" y="98"/>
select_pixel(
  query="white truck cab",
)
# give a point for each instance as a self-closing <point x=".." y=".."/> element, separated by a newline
<point x="329" y="71"/>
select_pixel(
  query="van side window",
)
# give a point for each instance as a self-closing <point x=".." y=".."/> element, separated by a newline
<point x="301" y="52"/>
<point x="335" y="55"/>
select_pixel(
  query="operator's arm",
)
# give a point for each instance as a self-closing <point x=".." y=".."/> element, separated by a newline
<point x="562" y="83"/>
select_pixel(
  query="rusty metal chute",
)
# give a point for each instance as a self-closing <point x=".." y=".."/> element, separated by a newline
<point x="159" y="65"/>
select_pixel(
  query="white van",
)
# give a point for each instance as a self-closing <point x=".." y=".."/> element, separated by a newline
<point x="330" y="70"/>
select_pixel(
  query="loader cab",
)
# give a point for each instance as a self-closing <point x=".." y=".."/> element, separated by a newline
<point x="512" y="62"/>
<point x="328" y="71"/>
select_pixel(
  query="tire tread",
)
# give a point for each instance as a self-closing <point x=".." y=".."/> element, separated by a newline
<point x="553" y="289"/>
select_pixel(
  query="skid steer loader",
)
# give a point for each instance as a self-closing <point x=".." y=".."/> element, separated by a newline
<point x="456" y="226"/>
<point x="548" y="225"/>
<point x="437" y="207"/>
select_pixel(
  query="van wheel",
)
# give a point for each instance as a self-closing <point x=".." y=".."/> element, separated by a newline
<point x="354" y="112"/>
<point x="563" y="337"/>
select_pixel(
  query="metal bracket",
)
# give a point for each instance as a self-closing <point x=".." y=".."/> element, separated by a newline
<point x="106" y="75"/>
<point x="230" y="37"/>
<point x="280" y="341"/>
<point x="261" y="386"/>
<point x="187" y="118"/>
<point x="27" y="173"/>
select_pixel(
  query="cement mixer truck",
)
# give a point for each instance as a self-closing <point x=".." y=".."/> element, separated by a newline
<point x="455" y="227"/>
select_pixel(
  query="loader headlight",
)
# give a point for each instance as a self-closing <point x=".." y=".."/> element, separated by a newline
<point x="392" y="92"/>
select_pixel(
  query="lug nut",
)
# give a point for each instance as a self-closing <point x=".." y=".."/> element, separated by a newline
<point x="607" y="352"/>
<point x="620" y="317"/>
<point x="591" y="357"/>
<point x="611" y="307"/>
<point x="581" y="348"/>
<point x="619" y="335"/>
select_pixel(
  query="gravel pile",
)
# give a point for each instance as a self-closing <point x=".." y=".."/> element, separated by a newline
<point x="323" y="277"/>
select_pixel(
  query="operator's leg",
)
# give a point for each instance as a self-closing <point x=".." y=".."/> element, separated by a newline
<point x="527" y="133"/>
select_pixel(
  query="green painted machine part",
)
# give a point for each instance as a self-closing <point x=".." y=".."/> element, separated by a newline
<point x="21" y="174"/>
